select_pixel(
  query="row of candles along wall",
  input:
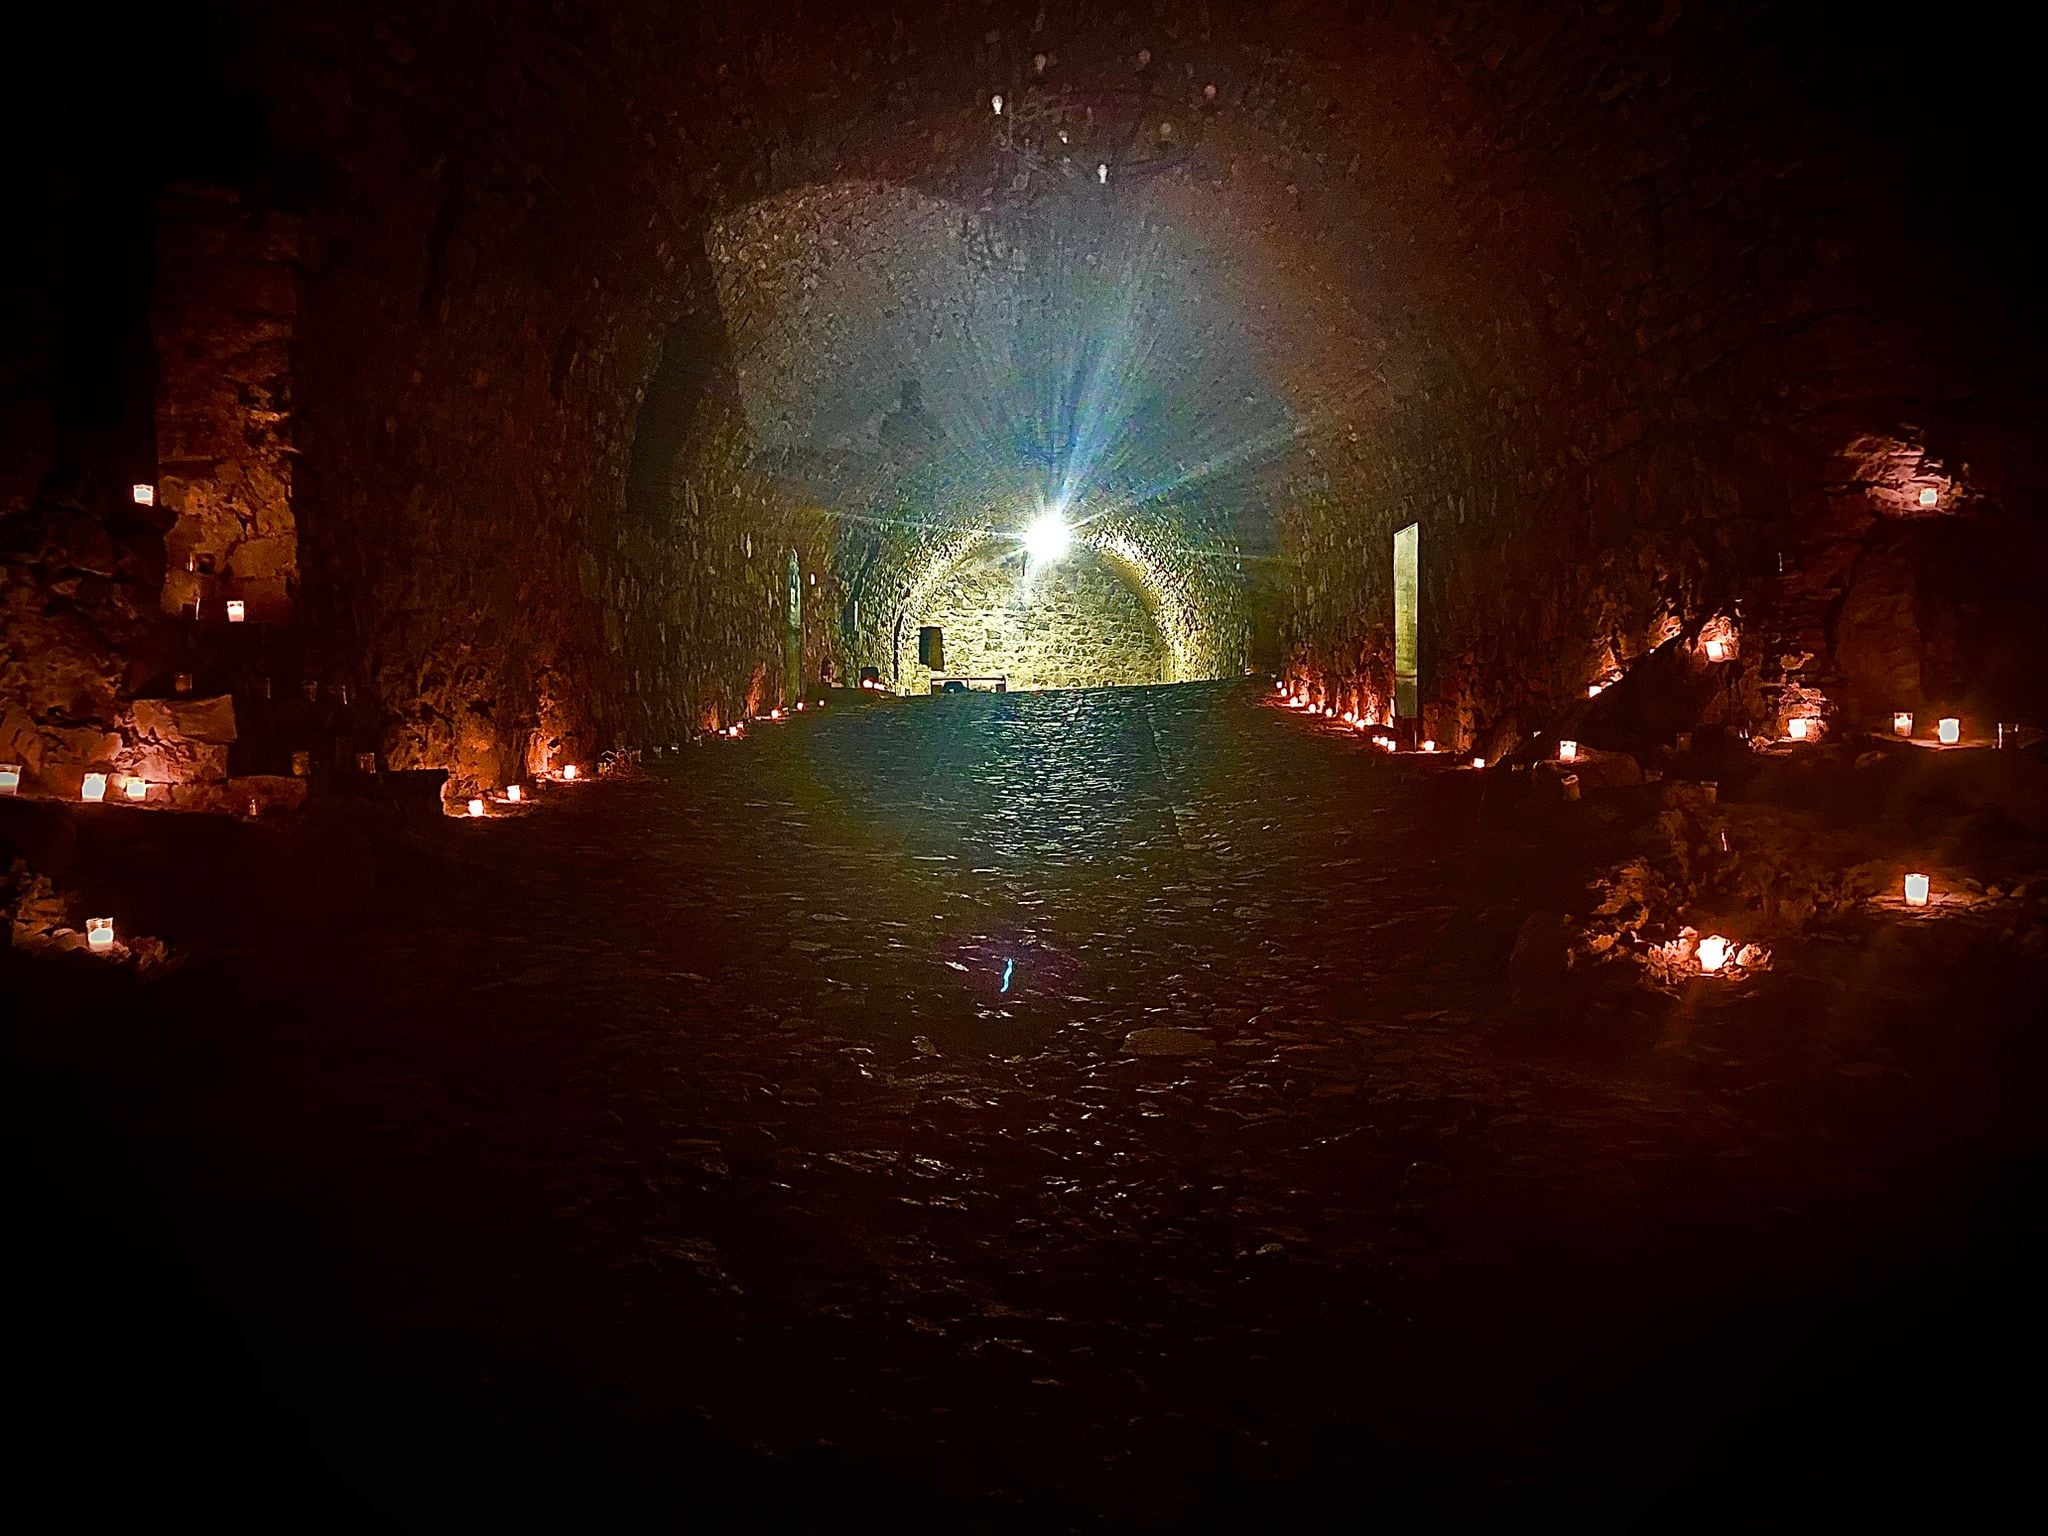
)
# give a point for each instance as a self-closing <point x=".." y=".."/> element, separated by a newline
<point x="1917" y="886"/>
<point x="93" y="787"/>
<point x="1358" y="722"/>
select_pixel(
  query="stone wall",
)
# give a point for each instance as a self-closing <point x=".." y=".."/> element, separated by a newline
<point x="228" y="288"/>
<point x="1078" y="623"/>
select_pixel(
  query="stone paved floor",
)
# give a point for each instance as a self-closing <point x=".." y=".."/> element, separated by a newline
<point x="682" y="1148"/>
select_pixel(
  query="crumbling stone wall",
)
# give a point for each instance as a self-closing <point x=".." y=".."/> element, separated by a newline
<point x="227" y="298"/>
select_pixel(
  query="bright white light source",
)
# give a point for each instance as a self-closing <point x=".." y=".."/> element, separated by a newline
<point x="99" y="933"/>
<point x="1902" y="722"/>
<point x="1717" y="650"/>
<point x="136" y="789"/>
<point x="1593" y="690"/>
<point x="237" y="610"/>
<point x="996" y="105"/>
<point x="1102" y="174"/>
<point x="1478" y="762"/>
<point x="476" y="807"/>
<point x="1929" y="496"/>
<point x="1950" y="730"/>
<point x="93" y="787"/>
<point x="1797" y="727"/>
<point x="1048" y="538"/>
<point x="1567" y="751"/>
<point x="145" y="495"/>
<point x="1916" y="890"/>
<point x="514" y="793"/>
<point x="569" y="771"/>
<point x="10" y="778"/>
<point x="1713" y="953"/>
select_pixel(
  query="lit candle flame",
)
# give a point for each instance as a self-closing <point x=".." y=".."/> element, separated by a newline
<point x="1713" y="953"/>
<point x="1916" y="890"/>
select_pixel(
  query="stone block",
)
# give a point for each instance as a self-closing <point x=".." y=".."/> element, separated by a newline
<point x="207" y="720"/>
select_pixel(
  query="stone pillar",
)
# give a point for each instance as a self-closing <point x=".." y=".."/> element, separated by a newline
<point x="227" y="301"/>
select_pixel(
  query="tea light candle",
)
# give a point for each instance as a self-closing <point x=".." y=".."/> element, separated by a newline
<point x="1478" y="762"/>
<point x="1717" y="650"/>
<point x="10" y="778"/>
<point x="135" y="789"/>
<point x="1593" y="690"/>
<point x="1916" y="890"/>
<point x="1429" y="746"/>
<point x="1567" y="751"/>
<point x="476" y="807"/>
<point x="93" y="787"/>
<point x="1950" y="730"/>
<point x="142" y="495"/>
<point x="1902" y="722"/>
<point x="1713" y="953"/>
<point x="513" y="793"/>
<point x="237" y="610"/>
<point x="569" y="772"/>
<point x="99" y="934"/>
<point x="1929" y="496"/>
<point x="1796" y="727"/>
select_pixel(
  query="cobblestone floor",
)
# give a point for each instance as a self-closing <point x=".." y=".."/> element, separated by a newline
<point x="1020" y="1111"/>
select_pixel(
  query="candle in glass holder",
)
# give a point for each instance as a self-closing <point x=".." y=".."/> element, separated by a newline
<point x="93" y="787"/>
<point x="1916" y="890"/>
<point x="569" y="772"/>
<point x="476" y="807"/>
<point x="1713" y="953"/>
<point x="1949" y="729"/>
<point x="237" y="610"/>
<point x="1717" y="650"/>
<point x="1429" y="746"/>
<point x="513" y="793"/>
<point x="143" y="495"/>
<point x="135" y="789"/>
<point x="1567" y="751"/>
<point x="99" y="934"/>
<point x="1478" y="762"/>
<point x="1902" y="722"/>
<point x="182" y="683"/>
<point x="10" y="778"/>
